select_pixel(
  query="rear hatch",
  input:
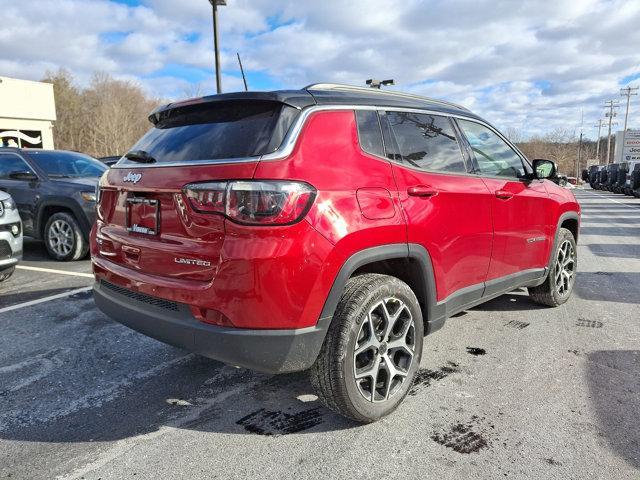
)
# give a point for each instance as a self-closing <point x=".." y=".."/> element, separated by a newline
<point x="146" y="222"/>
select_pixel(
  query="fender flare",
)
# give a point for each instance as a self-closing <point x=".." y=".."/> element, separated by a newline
<point x="434" y="315"/>
<point x="58" y="201"/>
<point x="549" y="268"/>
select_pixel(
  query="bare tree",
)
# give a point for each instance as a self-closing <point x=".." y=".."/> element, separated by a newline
<point x="106" y="118"/>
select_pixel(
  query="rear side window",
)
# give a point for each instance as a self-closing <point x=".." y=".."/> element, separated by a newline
<point x="369" y="132"/>
<point x="495" y="158"/>
<point x="222" y="130"/>
<point x="67" y="164"/>
<point x="427" y="141"/>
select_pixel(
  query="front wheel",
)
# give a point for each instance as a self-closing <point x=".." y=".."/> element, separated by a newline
<point x="63" y="238"/>
<point x="558" y="286"/>
<point x="373" y="348"/>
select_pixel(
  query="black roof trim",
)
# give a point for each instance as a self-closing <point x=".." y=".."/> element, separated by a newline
<point x="327" y="94"/>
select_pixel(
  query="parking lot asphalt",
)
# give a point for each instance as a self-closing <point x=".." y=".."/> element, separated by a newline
<point x="507" y="389"/>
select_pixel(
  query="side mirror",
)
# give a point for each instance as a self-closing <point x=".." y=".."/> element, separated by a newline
<point x="544" y="169"/>
<point x="23" y="175"/>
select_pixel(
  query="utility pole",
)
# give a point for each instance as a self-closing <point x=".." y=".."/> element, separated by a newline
<point x="215" y="4"/>
<point x="579" y="160"/>
<point x="611" y="104"/>
<point x="627" y="92"/>
<point x="598" y="142"/>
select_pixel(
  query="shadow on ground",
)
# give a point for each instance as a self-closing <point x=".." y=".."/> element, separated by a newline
<point x="614" y="383"/>
<point x="606" y="286"/>
<point x="90" y="379"/>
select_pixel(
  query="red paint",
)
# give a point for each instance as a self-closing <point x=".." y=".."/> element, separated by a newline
<point x="279" y="276"/>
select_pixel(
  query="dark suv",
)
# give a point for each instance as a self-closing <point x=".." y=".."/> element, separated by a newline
<point x="54" y="191"/>
<point x="327" y="228"/>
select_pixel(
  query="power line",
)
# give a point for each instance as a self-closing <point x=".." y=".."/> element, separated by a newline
<point x="611" y="104"/>
<point x="627" y="92"/>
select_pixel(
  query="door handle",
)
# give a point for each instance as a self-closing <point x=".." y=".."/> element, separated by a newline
<point x="422" y="191"/>
<point x="503" y="194"/>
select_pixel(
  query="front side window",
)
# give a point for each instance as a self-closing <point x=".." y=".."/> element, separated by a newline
<point x="12" y="164"/>
<point x="494" y="157"/>
<point x="67" y="164"/>
<point x="427" y="141"/>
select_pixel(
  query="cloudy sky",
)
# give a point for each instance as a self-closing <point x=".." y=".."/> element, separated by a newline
<point x="532" y="65"/>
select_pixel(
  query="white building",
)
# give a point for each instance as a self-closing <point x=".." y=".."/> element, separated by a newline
<point x="27" y="113"/>
<point x="627" y="146"/>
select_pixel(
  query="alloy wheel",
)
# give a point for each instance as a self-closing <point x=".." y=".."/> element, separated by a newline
<point x="61" y="237"/>
<point x="565" y="268"/>
<point x="384" y="350"/>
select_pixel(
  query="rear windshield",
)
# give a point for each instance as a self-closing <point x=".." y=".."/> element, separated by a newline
<point x="224" y="130"/>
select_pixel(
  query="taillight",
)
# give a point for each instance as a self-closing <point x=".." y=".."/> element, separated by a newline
<point x="252" y="202"/>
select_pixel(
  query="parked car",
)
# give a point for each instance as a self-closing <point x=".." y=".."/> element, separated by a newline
<point x="635" y="180"/>
<point x="602" y="178"/>
<point x="628" y="168"/>
<point x="592" y="178"/>
<point x="55" y="194"/>
<point x="612" y="177"/>
<point x="621" y="179"/>
<point x="10" y="236"/>
<point x="329" y="229"/>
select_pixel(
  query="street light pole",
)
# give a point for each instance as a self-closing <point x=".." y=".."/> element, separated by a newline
<point x="214" y="5"/>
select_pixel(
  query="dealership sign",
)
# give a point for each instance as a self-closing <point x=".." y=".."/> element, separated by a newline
<point x="630" y="143"/>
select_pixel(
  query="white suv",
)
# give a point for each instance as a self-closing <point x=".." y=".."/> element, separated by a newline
<point x="10" y="236"/>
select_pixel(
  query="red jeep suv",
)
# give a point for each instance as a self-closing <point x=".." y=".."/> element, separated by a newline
<point x="328" y="228"/>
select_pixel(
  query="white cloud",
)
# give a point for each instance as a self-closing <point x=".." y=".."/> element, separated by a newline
<point x="532" y="64"/>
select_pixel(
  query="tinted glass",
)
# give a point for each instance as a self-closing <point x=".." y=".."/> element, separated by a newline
<point x="495" y="158"/>
<point x="12" y="163"/>
<point x="369" y="132"/>
<point x="427" y="141"/>
<point x="67" y="164"/>
<point x="234" y="129"/>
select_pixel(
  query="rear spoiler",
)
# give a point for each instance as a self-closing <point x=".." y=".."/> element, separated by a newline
<point x="294" y="98"/>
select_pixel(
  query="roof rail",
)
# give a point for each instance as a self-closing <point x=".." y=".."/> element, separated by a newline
<point x="354" y="88"/>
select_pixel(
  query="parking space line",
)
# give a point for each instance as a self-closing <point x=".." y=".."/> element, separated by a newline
<point x="59" y="272"/>
<point x="45" y="299"/>
<point x="611" y="199"/>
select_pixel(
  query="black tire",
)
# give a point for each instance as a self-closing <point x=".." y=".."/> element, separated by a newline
<point x="5" y="274"/>
<point x="552" y="293"/>
<point x="333" y="374"/>
<point x="64" y="239"/>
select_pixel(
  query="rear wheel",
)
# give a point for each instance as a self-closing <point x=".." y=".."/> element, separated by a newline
<point x="5" y="274"/>
<point x="558" y="286"/>
<point x="63" y="238"/>
<point x="373" y="348"/>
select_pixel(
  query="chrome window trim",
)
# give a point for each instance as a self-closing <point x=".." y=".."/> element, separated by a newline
<point x="291" y="138"/>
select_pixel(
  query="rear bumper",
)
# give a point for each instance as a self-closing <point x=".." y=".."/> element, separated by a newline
<point x="271" y="351"/>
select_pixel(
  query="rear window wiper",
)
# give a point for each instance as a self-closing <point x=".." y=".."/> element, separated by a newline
<point x="140" y="156"/>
